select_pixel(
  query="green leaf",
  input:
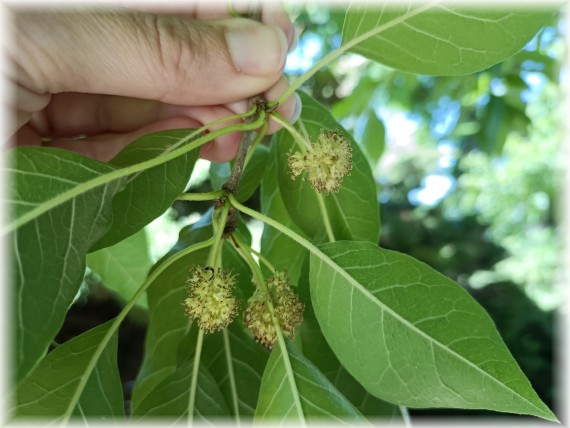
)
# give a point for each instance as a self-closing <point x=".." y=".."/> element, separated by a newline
<point x="293" y="389"/>
<point x="317" y="350"/>
<point x="49" y="251"/>
<point x="149" y="193"/>
<point x="172" y="395"/>
<point x="252" y="175"/>
<point x="124" y="266"/>
<point x="54" y="390"/>
<point x="283" y="252"/>
<point x="438" y="39"/>
<point x="374" y="138"/>
<point x="237" y="364"/>
<point x="168" y="324"/>
<point x="411" y="336"/>
<point x="353" y="211"/>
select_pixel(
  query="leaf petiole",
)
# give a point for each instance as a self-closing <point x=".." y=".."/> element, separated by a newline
<point x="280" y="227"/>
<point x="244" y="252"/>
<point x="302" y="142"/>
<point x="258" y="275"/>
<point x="195" y="369"/>
<point x="207" y="196"/>
<point x="219" y="224"/>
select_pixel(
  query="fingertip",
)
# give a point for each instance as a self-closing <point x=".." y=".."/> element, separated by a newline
<point x="297" y="109"/>
<point x="274" y="14"/>
<point x="290" y="109"/>
<point x="222" y="149"/>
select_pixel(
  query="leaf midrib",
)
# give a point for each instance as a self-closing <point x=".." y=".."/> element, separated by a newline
<point x="107" y="178"/>
<point x="413" y="328"/>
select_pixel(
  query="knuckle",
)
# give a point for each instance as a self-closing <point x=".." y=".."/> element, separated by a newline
<point x="182" y="49"/>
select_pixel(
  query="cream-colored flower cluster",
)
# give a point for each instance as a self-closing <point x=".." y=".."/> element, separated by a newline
<point x="326" y="162"/>
<point x="288" y="311"/>
<point x="211" y="300"/>
<point x="213" y="306"/>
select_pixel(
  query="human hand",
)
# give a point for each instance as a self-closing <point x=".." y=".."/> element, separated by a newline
<point x="112" y="76"/>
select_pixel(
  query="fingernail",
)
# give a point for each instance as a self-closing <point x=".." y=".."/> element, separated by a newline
<point x="257" y="49"/>
<point x="298" y="108"/>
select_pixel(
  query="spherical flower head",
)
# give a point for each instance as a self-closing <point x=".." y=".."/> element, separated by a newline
<point x="297" y="163"/>
<point x="327" y="161"/>
<point x="288" y="308"/>
<point x="257" y="318"/>
<point x="288" y="311"/>
<point x="211" y="302"/>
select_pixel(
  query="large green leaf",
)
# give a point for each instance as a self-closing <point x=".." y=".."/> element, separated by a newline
<point x="123" y="267"/>
<point x="439" y="39"/>
<point x="49" y="251"/>
<point x="237" y="364"/>
<point x="411" y="336"/>
<point x="317" y="350"/>
<point x="172" y="395"/>
<point x="283" y="252"/>
<point x="55" y="388"/>
<point x="294" y="390"/>
<point x="252" y="174"/>
<point x="149" y="193"/>
<point x="353" y="211"/>
<point x="168" y="324"/>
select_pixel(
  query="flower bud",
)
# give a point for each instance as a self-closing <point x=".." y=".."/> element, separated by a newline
<point x="326" y="162"/>
<point x="288" y="311"/>
<point x="211" y="302"/>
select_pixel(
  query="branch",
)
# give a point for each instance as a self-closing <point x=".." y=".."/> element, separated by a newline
<point x="247" y="138"/>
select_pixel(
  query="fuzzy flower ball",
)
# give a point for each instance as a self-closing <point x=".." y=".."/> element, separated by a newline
<point x="326" y="162"/>
<point x="211" y="302"/>
<point x="288" y="310"/>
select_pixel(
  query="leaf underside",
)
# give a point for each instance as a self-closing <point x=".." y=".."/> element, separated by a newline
<point x="411" y="336"/>
<point x="319" y="399"/>
<point x="48" y="392"/>
<point x="441" y="39"/>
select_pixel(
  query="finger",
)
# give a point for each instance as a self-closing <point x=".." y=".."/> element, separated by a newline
<point x="141" y="55"/>
<point x="72" y="114"/>
<point x="105" y="145"/>
<point x="290" y="108"/>
<point x="272" y="13"/>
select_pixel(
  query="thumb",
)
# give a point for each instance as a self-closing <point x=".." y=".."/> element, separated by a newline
<point x="141" y="55"/>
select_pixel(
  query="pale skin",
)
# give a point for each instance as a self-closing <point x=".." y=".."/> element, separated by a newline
<point x="92" y="80"/>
